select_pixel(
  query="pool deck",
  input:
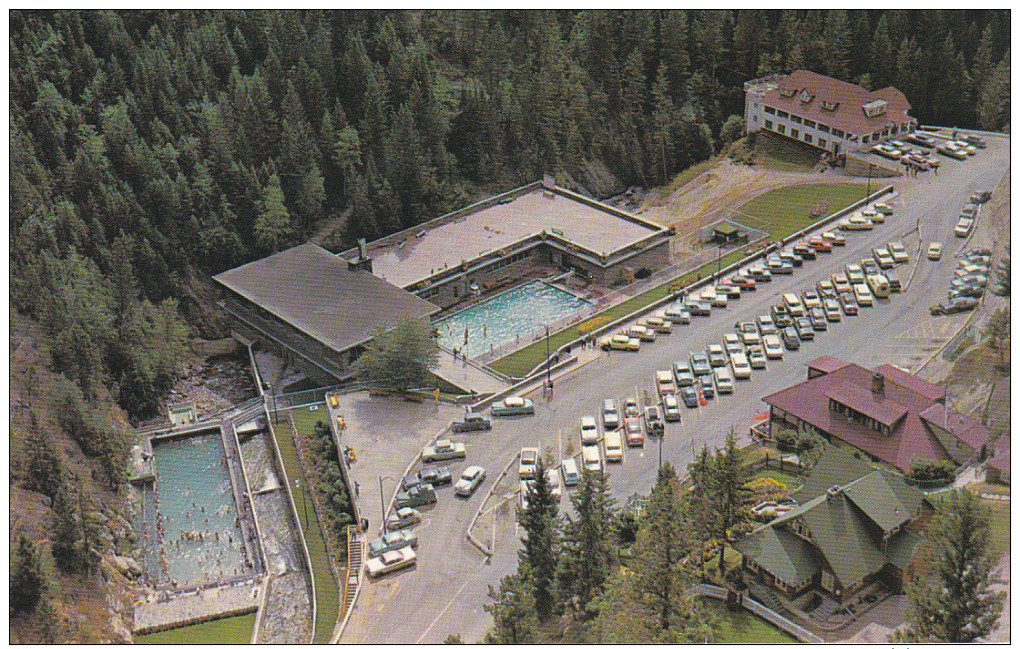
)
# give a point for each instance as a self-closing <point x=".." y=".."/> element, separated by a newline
<point x="496" y="226"/>
<point x="163" y="611"/>
<point x="467" y="376"/>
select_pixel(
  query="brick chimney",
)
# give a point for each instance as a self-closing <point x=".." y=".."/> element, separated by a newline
<point x="878" y="383"/>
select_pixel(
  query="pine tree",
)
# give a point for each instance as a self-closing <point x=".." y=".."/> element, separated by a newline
<point x="883" y="60"/>
<point x="958" y="605"/>
<point x="994" y="104"/>
<point x="273" y="226"/>
<point x="705" y="515"/>
<point x="513" y="613"/>
<point x="729" y="476"/>
<point x="588" y="551"/>
<point x="1002" y="274"/>
<point x="67" y="531"/>
<point x="26" y="583"/>
<point x="539" y="552"/>
<point x="44" y="470"/>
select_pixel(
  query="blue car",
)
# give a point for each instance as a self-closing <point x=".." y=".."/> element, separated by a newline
<point x="690" y="396"/>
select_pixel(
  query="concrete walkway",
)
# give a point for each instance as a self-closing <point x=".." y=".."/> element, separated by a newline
<point x="466" y="376"/>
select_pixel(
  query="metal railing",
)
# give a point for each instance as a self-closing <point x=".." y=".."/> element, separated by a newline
<point x="794" y="629"/>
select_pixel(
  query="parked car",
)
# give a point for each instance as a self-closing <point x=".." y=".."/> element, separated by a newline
<point x="671" y="406"/>
<point x="678" y="315"/>
<point x="683" y="374"/>
<point x="963" y="226"/>
<point x="469" y="480"/>
<point x="723" y="380"/>
<point x="632" y="431"/>
<point x="729" y="291"/>
<point x="745" y="282"/>
<point x="700" y="364"/>
<point x="970" y="209"/>
<point x="870" y="267"/>
<point x="614" y="446"/>
<point x="766" y="326"/>
<point x="434" y="476"/>
<point x="390" y="562"/>
<point x="591" y="459"/>
<point x="793" y="304"/>
<point x="848" y="303"/>
<point x="403" y="517"/>
<point x="707" y="386"/>
<point x="842" y="284"/>
<point x="781" y="316"/>
<point x="610" y="414"/>
<point x="589" y="430"/>
<point x="741" y="367"/>
<point x="967" y="290"/>
<point x="630" y="408"/>
<point x="621" y="342"/>
<point x="653" y="420"/>
<point x="689" y="394"/>
<point x="392" y="541"/>
<point x="826" y="288"/>
<point x="664" y="383"/>
<point x="855" y="274"/>
<point x="773" y="348"/>
<point x="790" y="338"/>
<point x="974" y="140"/>
<point x="732" y="344"/>
<point x="756" y="357"/>
<point x="818" y="320"/>
<point x="954" y="306"/>
<point x="792" y="258"/>
<point x="922" y="139"/>
<point x="423" y="494"/>
<point x="834" y="238"/>
<point x="760" y="274"/>
<point x="716" y="355"/>
<point x="471" y="421"/>
<point x="699" y="308"/>
<point x="443" y="449"/>
<point x="571" y="476"/>
<point x="863" y="295"/>
<point x="528" y="463"/>
<point x="883" y="257"/>
<point x="883" y="208"/>
<point x="805" y="251"/>
<point x="980" y="196"/>
<point x="831" y="308"/>
<point x="873" y="216"/>
<point x="641" y="332"/>
<point x="894" y="280"/>
<point x="898" y="252"/>
<point x="748" y="332"/>
<point x="811" y="299"/>
<point x="804" y="329"/>
<point x="513" y="406"/>
<point x="935" y="251"/>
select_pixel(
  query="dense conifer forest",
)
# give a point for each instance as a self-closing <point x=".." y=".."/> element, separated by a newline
<point x="151" y="148"/>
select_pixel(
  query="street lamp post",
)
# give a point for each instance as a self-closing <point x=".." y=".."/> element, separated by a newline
<point x="548" y="366"/>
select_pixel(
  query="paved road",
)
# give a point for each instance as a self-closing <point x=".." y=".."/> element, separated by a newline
<point x="446" y="592"/>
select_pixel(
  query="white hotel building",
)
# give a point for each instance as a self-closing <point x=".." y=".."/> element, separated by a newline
<point x="826" y="113"/>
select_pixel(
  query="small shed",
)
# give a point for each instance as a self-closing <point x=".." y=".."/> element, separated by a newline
<point x="725" y="233"/>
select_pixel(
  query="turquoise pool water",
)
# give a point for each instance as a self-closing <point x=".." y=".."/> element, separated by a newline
<point x="521" y="311"/>
<point x="189" y="520"/>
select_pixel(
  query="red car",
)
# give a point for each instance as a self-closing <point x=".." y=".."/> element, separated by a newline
<point x="743" y="281"/>
<point x="819" y="244"/>
<point x="632" y="429"/>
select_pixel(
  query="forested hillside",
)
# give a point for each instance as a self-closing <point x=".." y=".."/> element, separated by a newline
<point x="150" y="148"/>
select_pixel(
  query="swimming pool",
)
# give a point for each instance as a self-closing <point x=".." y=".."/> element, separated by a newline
<point x="520" y="311"/>
<point x="189" y="521"/>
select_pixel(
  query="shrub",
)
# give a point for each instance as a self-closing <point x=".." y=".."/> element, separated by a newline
<point x="931" y="470"/>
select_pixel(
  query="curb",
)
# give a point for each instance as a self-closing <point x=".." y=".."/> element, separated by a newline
<point x="946" y="344"/>
<point x="470" y="535"/>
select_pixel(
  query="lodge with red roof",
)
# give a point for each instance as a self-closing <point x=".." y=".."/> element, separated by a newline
<point x="826" y="113"/>
<point x="889" y="414"/>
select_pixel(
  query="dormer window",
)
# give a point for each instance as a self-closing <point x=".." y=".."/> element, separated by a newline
<point x="787" y="92"/>
<point x="874" y="108"/>
<point x="830" y="105"/>
<point x="806" y="96"/>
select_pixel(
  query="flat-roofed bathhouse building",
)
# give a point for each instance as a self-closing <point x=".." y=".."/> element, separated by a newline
<point x="486" y="243"/>
<point x="826" y="113"/>
<point x="889" y="414"/>
<point x="314" y="308"/>
<point x="852" y="526"/>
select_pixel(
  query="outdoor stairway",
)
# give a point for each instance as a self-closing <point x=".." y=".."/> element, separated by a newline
<point x="354" y="563"/>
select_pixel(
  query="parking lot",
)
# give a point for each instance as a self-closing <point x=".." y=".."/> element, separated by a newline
<point x="446" y="592"/>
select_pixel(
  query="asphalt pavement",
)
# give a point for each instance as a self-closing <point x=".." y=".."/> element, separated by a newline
<point x="445" y="593"/>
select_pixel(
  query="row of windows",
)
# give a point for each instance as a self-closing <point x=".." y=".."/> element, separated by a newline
<point x="806" y="122"/>
<point x="502" y="263"/>
<point x="859" y="417"/>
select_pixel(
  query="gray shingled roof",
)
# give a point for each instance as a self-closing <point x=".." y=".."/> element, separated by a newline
<point x="312" y="289"/>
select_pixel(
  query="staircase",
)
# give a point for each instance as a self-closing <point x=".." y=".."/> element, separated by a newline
<point x="354" y="562"/>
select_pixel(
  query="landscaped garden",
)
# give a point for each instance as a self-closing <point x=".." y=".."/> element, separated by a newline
<point x="225" y="631"/>
<point x="744" y="627"/>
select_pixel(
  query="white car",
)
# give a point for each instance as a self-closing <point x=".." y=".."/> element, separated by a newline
<point x="403" y="517"/>
<point x="614" y="446"/>
<point x="659" y="325"/>
<point x="390" y="561"/>
<point x="773" y="347"/>
<point x="834" y="238"/>
<point x="723" y="380"/>
<point x="529" y="458"/>
<point x="589" y="430"/>
<point x="935" y="251"/>
<point x="590" y="458"/>
<point x="610" y="415"/>
<point x="963" y="226"/>
<point x="641" y="332"/>
<point x="741" y="367"/>
<point x="621" y="341"/>
<point x="898" y="252"/>
<point x="863" y="295"/>
<point x="887" y="151"/>
<point x="469" y="481"/>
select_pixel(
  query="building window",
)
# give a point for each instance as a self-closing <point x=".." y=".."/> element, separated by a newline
<point x="864" y="140"/>
<point x="807" y="138"/>
<point x="768" y="123"/>
<point x="808" y="122"/>
<point x="794" y="133"/>
<point x="822" y="143"/>
<point x="830" y="105"/>
<point x="783" y="114"/>
<point x="794" y="118"/>
<point x="823" y="128"/>
<point x="782" y="128"/>
<point x="838" y="133"/>
<point x="754" y="118"/>
<point x="770" y="110"/>
<point x="755" y="104"/>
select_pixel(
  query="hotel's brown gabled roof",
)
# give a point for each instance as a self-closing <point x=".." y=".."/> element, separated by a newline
<point x="849" y="115"/>
<point x="910" y="437"/>
<point x="312" y="289"/>
<point x="973" y="433"/>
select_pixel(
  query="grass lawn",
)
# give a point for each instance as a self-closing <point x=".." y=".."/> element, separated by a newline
<point x="519" y="363"/>
<point x="783" y="154"/>
<point x="1000" y="521"/>
<point x="327" y="593"/>
<point x="791" y="481"/>
<point x="227" y="630"/>
<point x="788" y="209"/>
<point x="743" y="626"/>
<point x="989" y="488"/>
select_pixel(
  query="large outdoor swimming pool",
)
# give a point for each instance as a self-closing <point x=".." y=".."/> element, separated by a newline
<point x="188" y="518"/>
<point x="521" y="311"/>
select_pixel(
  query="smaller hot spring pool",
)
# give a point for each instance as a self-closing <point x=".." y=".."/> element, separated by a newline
<point x="520" y="311"/>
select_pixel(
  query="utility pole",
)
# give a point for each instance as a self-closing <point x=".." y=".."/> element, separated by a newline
<point x="548" y="366"/>
<point x="869" y="186"/>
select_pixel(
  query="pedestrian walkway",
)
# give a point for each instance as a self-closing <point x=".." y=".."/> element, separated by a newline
<point x="467" y="376"/>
